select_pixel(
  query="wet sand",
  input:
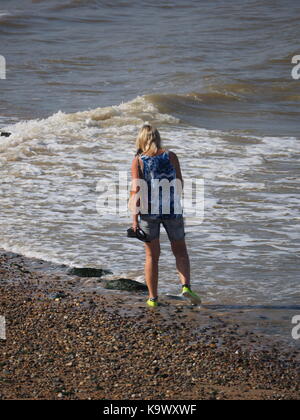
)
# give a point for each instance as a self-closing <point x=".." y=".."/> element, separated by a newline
<point x="67" y="339"/>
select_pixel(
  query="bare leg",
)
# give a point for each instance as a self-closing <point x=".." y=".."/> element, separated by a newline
<point x="182" y="260"/>
<point x="151" y="266"/>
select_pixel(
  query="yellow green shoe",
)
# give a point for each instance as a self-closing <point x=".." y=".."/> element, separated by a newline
<point x="188" y="293"/>
<point x="152" y="302"/>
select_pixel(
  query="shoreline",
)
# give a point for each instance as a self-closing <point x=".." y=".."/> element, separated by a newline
<point x="67" y="339"/>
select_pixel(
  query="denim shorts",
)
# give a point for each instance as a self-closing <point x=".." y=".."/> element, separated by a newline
<point x="173" y="226"/>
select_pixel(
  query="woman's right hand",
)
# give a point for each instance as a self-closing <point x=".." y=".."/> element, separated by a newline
<point x="135" y="225"/>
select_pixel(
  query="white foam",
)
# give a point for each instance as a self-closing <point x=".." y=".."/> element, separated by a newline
<point x="25" y="169"/>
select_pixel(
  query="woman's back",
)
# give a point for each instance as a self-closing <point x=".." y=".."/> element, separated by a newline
<point x="160" y="175"/>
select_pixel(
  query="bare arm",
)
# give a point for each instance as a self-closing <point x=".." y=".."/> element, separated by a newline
<point x="175" y="162"/>
<point x="135" y="188"/>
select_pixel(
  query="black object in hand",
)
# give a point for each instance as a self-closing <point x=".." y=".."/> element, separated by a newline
<point x="139" y="234"/>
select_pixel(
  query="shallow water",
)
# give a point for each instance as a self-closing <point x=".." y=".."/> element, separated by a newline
<point x="82" y="76"/>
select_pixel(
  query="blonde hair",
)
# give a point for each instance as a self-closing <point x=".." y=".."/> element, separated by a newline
<point x="148" y="140"/>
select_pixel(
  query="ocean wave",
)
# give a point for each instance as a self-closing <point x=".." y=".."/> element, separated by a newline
<point x="118" y="119"/>
<point x="3" y="14"/>
<point x="11" y="21"/>
<point x="125" y="119"/>
<point x="71" y="4"/>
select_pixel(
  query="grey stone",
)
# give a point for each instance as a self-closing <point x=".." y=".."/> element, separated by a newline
<point x="125" y="284"/>
<point x="87" y="272"/>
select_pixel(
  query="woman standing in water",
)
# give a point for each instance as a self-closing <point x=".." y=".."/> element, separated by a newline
<point x="154" y="165"/>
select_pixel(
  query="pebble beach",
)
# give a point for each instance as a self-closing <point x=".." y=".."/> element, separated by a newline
<point x="63" y="342"/>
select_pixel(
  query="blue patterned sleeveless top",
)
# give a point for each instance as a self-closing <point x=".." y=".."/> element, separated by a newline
<point x="163" y="191"/>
